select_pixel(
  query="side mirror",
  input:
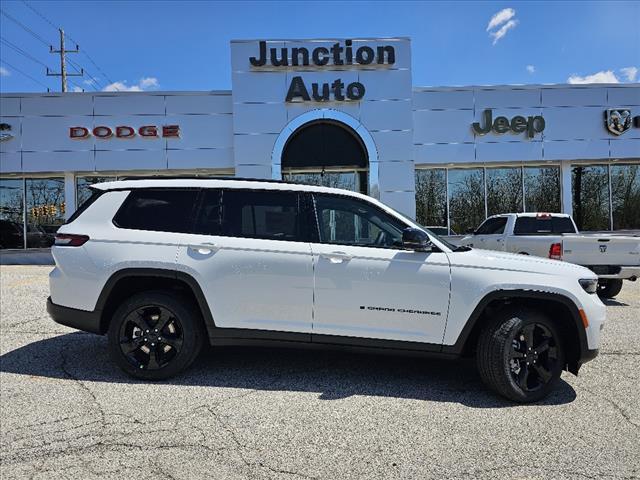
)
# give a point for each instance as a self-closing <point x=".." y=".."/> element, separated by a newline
<point x="470" y="231"/>
<point x="414" y="239"/>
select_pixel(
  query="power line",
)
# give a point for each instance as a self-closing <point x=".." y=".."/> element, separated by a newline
<point x="25" y="74"/>
<point x="56" y="27"/>
<point x="84" y="52"/>
<point x="25" y="28"/>
<point x="21" y="51"/>
<point x="79" y="86"/>
<point x="92" y="78"/>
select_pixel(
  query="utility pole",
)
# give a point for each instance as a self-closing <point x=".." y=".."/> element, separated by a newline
<point x="63" y="65"/>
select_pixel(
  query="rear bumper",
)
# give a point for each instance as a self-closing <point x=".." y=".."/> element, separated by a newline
<point x="78" y="319"/>
<point x="624" y="273"/>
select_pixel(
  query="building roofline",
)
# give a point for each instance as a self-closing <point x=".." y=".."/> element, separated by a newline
<point x="320" y="40"/>
<point x="154" y="93"/>
<point x="450" y="88"/>
<point x="525" y="86"/>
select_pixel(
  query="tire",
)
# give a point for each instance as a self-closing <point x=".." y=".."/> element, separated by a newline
<point x="609" y="288"/>
<point x="145" y="352"/>
<point x="505" y="363"/>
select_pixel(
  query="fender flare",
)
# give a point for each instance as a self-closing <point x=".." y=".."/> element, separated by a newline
<point x="191" y="282"/>
<point x="460" y="344"/>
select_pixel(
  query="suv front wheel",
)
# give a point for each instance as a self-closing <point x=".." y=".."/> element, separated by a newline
<point x="520" y="355"/>
<point x="155" y="335"/>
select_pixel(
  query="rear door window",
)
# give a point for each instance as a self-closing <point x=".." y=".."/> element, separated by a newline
<point x="492" y="226"/>
<point x="160" y="210"/>
<point x="209" y="220"/>
<point x="265" y="214"/>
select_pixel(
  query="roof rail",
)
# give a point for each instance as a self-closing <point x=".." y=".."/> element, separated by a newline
<point x="196" y="177"/>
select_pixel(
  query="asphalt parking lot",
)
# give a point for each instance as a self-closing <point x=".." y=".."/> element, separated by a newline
<point x="67" y="412"/>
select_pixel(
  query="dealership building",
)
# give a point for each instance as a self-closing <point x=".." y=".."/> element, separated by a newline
<point x="340" y="112"/>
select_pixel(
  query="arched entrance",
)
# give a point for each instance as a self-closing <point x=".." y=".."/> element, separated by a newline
<point x="327" y="147"/>
<point x="328" y="153"/>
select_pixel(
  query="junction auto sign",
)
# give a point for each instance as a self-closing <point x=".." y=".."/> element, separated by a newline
<point x="125" y="132"/>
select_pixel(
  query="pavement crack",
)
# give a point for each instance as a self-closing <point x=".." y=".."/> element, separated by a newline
<point x="616" y="407"/>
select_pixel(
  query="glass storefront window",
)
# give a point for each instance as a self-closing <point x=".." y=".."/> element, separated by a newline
<point x="466" y="199"/>
<point x="431" y="197"/>
<point x="349" y="180"/>
<point x="504" y="190"/>
<point x="45" y="210"/>
<point x="11" y="213"/>
<point x="590" y="189"/>
<point x="82" y="187"/>
<point x="542" y="189"/>
<point x="625" y="196"/>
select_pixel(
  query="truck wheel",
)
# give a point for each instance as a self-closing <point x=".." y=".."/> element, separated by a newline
<point x="609" y="288"/>
<point x="520" y="355"/>
<point x="155" y="335"/>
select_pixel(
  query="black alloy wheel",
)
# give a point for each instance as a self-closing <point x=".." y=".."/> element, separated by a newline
<point x="520" y="354"/>
<point x="533" y="357"/>
<point x="156" y="335"/>
<point x="150" y="337"/>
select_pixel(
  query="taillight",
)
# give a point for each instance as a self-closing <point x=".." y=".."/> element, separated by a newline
<point x="70" y="240"/>
<point x="555" y="251"/>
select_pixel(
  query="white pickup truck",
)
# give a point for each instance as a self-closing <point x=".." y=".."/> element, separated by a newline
<point x="554" y="235"/>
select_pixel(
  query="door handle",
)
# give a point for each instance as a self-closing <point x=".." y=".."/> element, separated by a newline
<point x="204" y="248"/>
<point x="337" y="257"/>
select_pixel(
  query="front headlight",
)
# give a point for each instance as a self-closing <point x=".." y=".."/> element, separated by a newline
<point x="589" y="285"/>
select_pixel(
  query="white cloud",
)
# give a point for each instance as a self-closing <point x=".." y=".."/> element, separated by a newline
<point x="121" y="87"/>
<point x="531" y="68"/>
<point x="501" y="17"/>
<point x="144" y="84"/>
<point x="497" y="35"/>
<point x="4" y="72"/>
<point x="77" y="89"/>
<point x="604" y="76"/>
<point x="148" y="82"/>
<point x="631" y="73"/>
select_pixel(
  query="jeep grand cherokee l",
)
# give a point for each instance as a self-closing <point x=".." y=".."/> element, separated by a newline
<point x="163" y="266"/>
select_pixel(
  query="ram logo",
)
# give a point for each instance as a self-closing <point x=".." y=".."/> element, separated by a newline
<point x="603" y="248"/>
<point x="618" y="121"/>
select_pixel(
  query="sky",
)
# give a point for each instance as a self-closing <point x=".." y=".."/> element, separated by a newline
<point x="184" y="45"/>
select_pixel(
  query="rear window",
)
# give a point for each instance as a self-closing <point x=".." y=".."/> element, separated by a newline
<point x="543" y="226"/>
<point x="95" y="194"/>
<point x="160" y="210"/>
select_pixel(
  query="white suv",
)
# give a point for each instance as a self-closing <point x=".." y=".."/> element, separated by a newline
<point x="162" y="266"/>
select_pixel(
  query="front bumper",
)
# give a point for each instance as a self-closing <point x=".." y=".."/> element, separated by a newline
<point x="74" y="318"/>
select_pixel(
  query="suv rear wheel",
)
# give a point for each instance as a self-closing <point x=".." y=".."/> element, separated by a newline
<point x="520" y="355"/>
<point x="155" y="335"/>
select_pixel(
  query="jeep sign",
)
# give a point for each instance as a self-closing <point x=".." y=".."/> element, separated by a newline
<point x="518" y="124"/>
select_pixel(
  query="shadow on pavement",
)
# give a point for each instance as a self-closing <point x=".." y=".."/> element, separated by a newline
<point x="333" y="375"/>
<point x="610" y="302"/>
